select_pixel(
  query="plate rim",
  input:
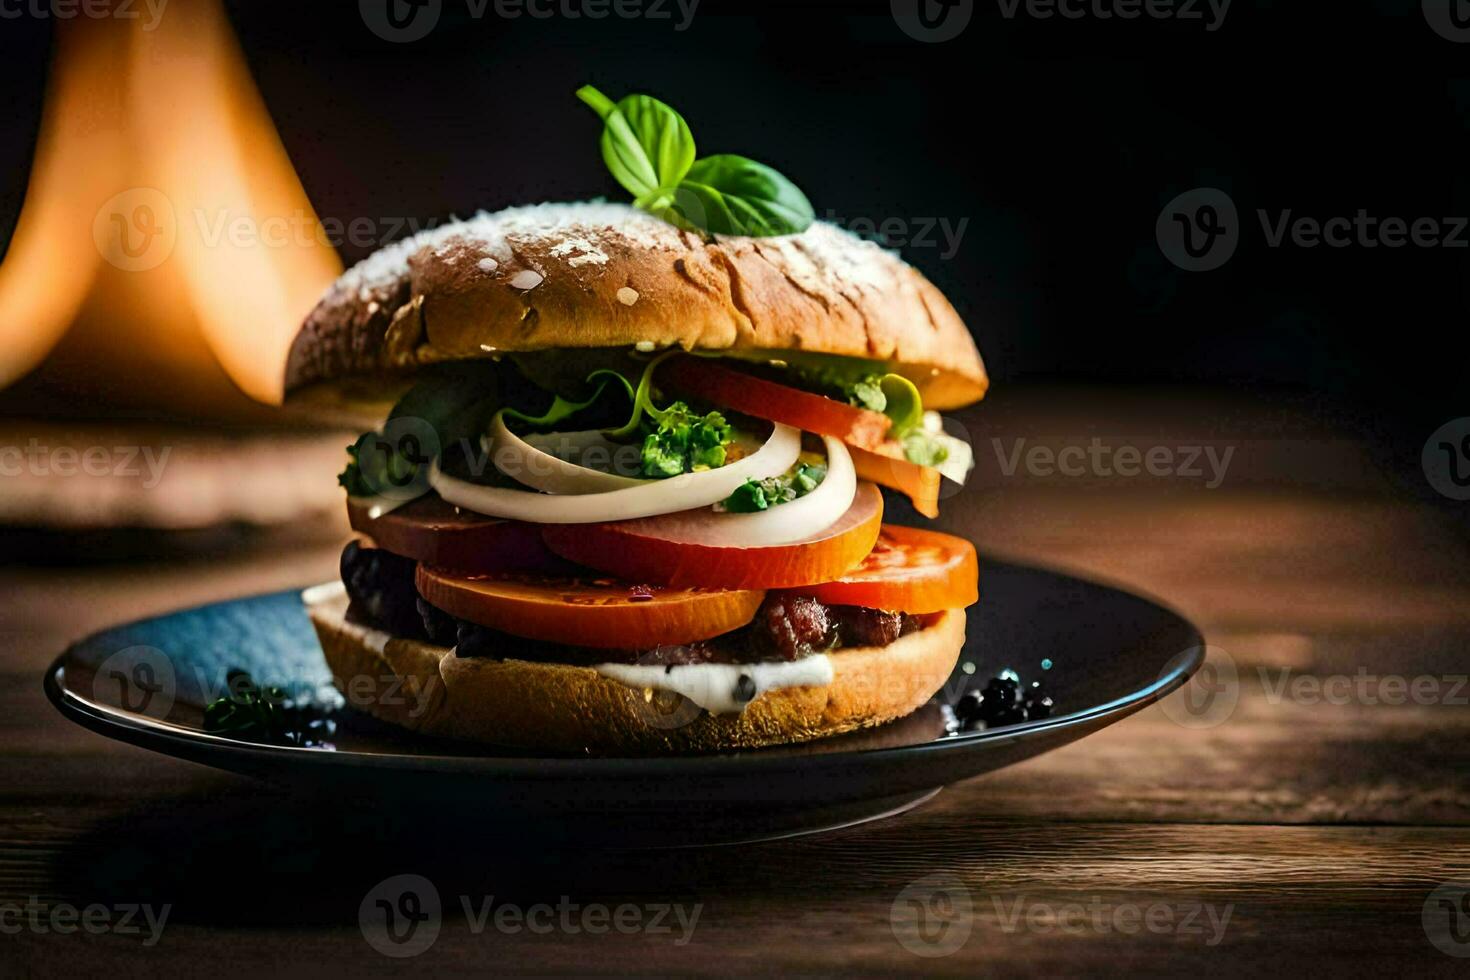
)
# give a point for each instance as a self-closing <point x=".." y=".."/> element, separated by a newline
<point x="150" y="733"/>
<point x="110" y="722"/>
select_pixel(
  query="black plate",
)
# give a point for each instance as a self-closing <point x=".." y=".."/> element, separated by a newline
<point x="1111" y="653"/>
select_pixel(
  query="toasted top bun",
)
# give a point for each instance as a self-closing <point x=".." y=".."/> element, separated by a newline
<point x="590" y="275"/>
<point x="566" y="708"/>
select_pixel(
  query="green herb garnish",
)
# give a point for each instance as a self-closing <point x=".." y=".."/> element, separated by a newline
<point x="381" y="465"/>
<point x="867" y="392"/>
<point x="247" y="708"/>
<point x="451" y="406"/>
<point x="754" y="495"/>
<point x="680" y="441"/>
<point x="268" y="714"/>
<point x="675" y="439"/>
<point x="352" y="479"/>
<point x="649" y="149"/>
<point x="926" y="449"/>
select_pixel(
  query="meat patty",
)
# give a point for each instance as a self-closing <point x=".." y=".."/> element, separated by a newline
<point x="785" y="627"/>
<point x="788" y="627"/>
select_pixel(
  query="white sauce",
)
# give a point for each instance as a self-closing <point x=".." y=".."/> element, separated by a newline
<point x="718" y="688"/>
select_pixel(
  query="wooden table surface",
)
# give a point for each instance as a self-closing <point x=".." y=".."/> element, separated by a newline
<point x="1303" y="830"/>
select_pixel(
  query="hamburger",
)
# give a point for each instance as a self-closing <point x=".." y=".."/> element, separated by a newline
<point x="624" y="482"/>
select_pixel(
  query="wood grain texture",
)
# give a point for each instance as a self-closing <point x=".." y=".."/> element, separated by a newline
<point x="1321" y="823"/>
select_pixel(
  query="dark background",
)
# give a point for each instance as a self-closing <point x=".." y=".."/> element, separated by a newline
<point x="1059" y="140"/>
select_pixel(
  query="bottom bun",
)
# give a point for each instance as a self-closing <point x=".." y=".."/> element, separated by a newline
<point x="426" y="688"/>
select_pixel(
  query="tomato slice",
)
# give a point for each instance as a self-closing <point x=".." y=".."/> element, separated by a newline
<point x="890" y="469"/>
<point x="909" y="570"/>
<point x="431" y="530"/>
<point x="877" y="457"/>
<point x="668" y="549"/>
<point x="700" y="377"/>
<point x="588" y="612"/>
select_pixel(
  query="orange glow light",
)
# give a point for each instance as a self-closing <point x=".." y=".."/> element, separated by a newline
<point x="166" y="252"/>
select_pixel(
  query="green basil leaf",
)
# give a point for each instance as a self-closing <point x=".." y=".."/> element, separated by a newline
<point x="600" y="103"/>
<point x="733" y="195"/>
<point x="645" y="143"/>
<point x="664" y="136"/>
<point x="649" y="150"/>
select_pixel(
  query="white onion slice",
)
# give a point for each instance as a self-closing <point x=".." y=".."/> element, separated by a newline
<point x="526" y="462"/>
<point x="648" y="500"/>
<point x="796" y="519"/>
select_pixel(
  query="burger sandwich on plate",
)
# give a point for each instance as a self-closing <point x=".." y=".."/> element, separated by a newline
<point x="627" y="499"/>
